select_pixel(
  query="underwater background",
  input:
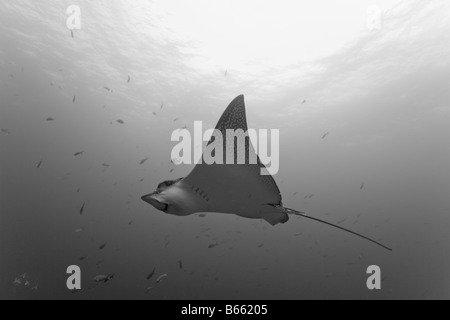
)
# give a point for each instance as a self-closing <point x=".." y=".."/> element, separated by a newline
<point x="359" y="91"/>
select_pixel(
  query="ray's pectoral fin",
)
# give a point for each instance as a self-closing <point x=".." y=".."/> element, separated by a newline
<point x="273" y="214"/>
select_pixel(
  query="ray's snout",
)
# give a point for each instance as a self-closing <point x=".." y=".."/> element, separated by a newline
<point x="151" y="199"/>
<point x="146" y="197"/>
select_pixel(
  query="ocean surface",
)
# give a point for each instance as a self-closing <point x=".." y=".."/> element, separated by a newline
<point x="364" y="117"/>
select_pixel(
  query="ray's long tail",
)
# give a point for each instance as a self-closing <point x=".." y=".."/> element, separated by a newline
<point x="302" y="214"/>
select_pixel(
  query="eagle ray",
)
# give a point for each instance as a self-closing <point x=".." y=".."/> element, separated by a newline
<point x="224" y="188"/>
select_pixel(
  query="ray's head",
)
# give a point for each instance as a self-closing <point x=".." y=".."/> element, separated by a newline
<point x="170" y="197"/>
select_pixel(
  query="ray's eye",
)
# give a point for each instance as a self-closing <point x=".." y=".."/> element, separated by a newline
<point x="163" y="185"/>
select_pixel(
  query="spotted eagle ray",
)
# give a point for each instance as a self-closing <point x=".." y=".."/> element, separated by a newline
<point x="240" y="189"/>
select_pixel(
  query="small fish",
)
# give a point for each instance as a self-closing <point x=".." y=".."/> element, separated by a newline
<point x="75" y="290"/>
<point x="154" y="113"/>
<point x="79" y="153"/>
<point x="74" y="98"/>
<point x="171" y="170"/>
<point x="304" y="100"/>
<point x="39" y="164"/>
<point x="129" y="79"/>
<point x="161" y="277"/>
<point x="162" y="105"/>
<point x="260" y="245"/>
<point x="82" y="208"/>
<point x="295" y="193"/>
<point x="148" y="289"/>
<point x="226" y="72"/>
<point x="130" y="223"/>
<point x="212" y="245"/>
<point x="297" y="234"/>
<point x="50" y="119"/>
<point x="78" y="230"/>
<point x="107" y="88"/>
<point x="11" y="75"/>
<point x="175" y="120"/>
<point x="99" y="262"/>
<point x="106" y="165"/>
<point x="180" y="264"/>
<point x="71" y="33"/>
<point x="103" y="246"/>
<point x="83" y="258"/>
<point x="103" y="278"/>
<point x="151" y="274"/>
<point x="120" y="121"/>
<point x="17" y="282"/>
<point x="78" y="190"/>
<point x="143" y="161"/>
<point x="362" y="186"/>
<point x="323" y="137"/>
<point x="202" y="215"/>
<point x="35" y="287"/>
<point x="6" y="132"/>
